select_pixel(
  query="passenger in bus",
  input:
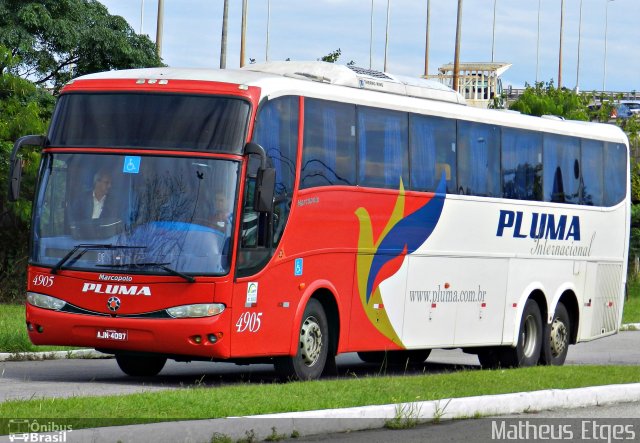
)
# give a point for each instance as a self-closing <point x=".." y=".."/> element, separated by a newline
<point x="221" y="217"/>
<point x="95" y="203"/>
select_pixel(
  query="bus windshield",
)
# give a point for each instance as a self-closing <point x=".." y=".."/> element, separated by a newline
<point x="163" y="121"/>
<point x="126" y="213"/>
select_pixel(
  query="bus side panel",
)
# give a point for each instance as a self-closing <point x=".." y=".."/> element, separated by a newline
<point x="602" y="302"/>
<point x="453" y="300"/>
<point x="264" y="321"/>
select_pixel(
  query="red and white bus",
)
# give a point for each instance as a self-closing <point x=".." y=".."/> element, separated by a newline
<point x="361" y="212"/>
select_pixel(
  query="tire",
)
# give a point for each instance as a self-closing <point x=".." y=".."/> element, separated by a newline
<point x="396" y="358"/>
<point x="313" y="346"/>
<point x="556" y="338"/>
<point x="528" y="349"/>
<point x="140" y="366"/>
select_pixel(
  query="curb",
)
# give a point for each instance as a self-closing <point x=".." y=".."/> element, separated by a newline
<point x="52" y="355"/>
<point x="284" y="425"/>
<point x="630" y="327"/>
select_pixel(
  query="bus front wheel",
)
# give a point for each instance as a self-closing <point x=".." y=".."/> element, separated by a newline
<point x="556" y="338"/>
<point x="313" y="346"/>
<point x="139" y="365"/>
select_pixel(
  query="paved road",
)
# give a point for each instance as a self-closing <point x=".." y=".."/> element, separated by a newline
<point x="63" y="378"/>
<point x="598" y="424"/>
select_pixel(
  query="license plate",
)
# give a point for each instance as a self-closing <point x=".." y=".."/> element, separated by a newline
<point x="112" y="334"/>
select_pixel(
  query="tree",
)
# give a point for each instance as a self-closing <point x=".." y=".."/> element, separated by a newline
<point x="56" y="40"/>
<point x="24" y="109"/>
<point x="545" y="99"/>
<point x="333" y="57"/>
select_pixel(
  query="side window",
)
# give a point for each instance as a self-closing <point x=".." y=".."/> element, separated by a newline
<point x="433" y="152"/>
<point x="521" y="164"/>
<point x="592" y="173"/>
<point x="383" y="153"/>
<point x="54" y="204"/>
<point x="276" y="130"/>
<point x="561" y="169"/>
<point x="329" y="144"/>
<point x="615" y="166"/>
<point x="479" y="159"/>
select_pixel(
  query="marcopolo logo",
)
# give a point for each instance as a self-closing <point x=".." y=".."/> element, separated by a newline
<point x="123" y="278"/>
<point x="536" y="225"/>
<point x="99" y="288"/>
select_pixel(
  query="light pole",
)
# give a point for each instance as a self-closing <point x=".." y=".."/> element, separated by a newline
<point x="266" y="51"/>
<point x="243" y="32"/>
<point x="223" y="39"/>
<point x="371" y="37"/>
<point x="579" y="40"/>
<point x="159" y="25"/>
<point x="456" y="58"/>
<point x="493" y="35"/>
<point x="560" y="51"/>
<point x="426" y="45"/>
<point x="606" y="24"/>
<point x="386" y="38"/>
<point x="141" y="16"/>
<point x="538" y="43"/>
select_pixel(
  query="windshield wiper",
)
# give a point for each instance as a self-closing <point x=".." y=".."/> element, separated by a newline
<point x="84" y="249"/>
<point x="162" y="266"/>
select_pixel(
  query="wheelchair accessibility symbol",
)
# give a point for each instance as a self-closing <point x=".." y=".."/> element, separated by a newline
<point x="298" y="267"/>
<point x="131" y="165"/>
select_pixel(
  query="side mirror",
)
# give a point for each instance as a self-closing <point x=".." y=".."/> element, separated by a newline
<point x="15" y="163"/>
<point x="265" y="181"/>
<point x="265" y="187"/>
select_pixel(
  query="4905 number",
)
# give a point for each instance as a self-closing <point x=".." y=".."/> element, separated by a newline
<point x="249" y="321"/>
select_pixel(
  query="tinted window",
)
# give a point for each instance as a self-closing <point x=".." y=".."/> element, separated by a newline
<point x="277" y="132"/>
<point x="479" y="159"/>
<point x="433" y="152"/>
<point x="615" y="170"/>
<point x="521" y="164"/>
<point x="561" y="169"/>
<point x="329" y="144"/>
<point x="150" y="121"/>
<point x="592" y="172"/>
<point x="382" y="148"/>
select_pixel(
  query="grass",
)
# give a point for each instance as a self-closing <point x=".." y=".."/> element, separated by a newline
<point x="203" y="402"/>
<point x="13" y="332"/>
<point x="631" y="313"/>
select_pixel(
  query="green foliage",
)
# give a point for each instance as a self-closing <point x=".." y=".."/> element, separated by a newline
<point x="56" y="40"/>
<point x="333" y="57"/>
<point x="545" y="99"/>
<point x="50" y="42"/>
<point x="24" y="109"/>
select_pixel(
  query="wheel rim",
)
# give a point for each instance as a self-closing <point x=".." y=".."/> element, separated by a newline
<point x="559" y="337"/>
<point x="310" y="341"/>
<point x="529" y="336"/>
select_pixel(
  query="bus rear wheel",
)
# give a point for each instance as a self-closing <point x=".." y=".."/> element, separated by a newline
<point x="140" y="365"/>
<point x="313" y="346"/>
<point x="529" y="346"/>
<point x="556" y="338"/>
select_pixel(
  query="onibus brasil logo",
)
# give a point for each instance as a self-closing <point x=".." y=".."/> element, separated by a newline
<point x="37" y="431"/>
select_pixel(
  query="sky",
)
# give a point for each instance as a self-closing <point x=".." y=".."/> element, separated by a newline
<point x="310" y="29"/>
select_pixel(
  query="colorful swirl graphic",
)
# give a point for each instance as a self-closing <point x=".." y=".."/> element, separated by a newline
<point x="380" y="259"/>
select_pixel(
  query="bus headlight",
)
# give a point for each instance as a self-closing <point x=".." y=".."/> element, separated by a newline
<point x="45" y="301"/>
<point x="194" y="311"/>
